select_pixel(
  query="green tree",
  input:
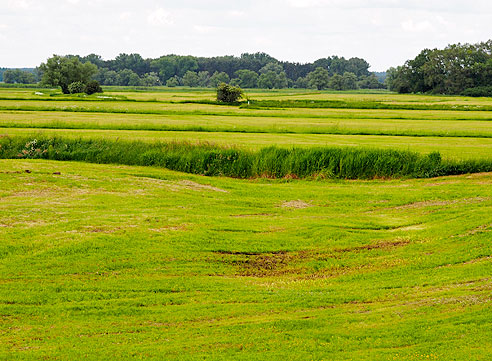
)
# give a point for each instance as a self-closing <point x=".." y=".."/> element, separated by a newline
<point x="151" y="79"/>
<point x="272" y="76"/>
<point x="62" y="71"/>
<point x="301" y="83"/>
<point x="190" y="78"/>
<point x="247" y="78"/>
<point x="172" y="82"/>
<point x="127" y="76"/>
<point x="218" y="78"/>
<point x="318" y="79"/>
<point x="349" y="81"/>
<point x="203" y="78"/>
<point x="111" y="78"/>
<point x="336" y="82"/>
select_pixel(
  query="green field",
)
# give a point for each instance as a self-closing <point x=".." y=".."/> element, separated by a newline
<point x="108" y="261"/>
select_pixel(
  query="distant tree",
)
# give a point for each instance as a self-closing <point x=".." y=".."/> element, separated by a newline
<point x="247" y="78"/>
<point x="111" y="78"/>
<point x="94" y="59"/>
<point x="275" y="67"/>
<point x="349" y="81"/>
<point x="336" y="82"/>
<point x="318" y="79"/>
<point x="218" y="78"/>
<point x="126" y="76"/>
<point x="370" y="82"/>
<point x="301" y="83"/>
<point x="267" y="80"/>
<point x="62" y="71"/>
<point x="133" y="62"/>
<point x="18" y="76"/>
<point x="172" y="82"/>
<point x="190" y="78"/>
<point x="228" y="94"/>
<point x="150" y="79"/>
<point x="272" y="76"/>
<point x="203" y="78"/>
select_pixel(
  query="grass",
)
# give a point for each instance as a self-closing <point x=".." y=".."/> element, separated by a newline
<point x="121" y="261"/>
<point x="271" y="162"/>
<point x="105" y="262"/>
<point x="454" y="148"/>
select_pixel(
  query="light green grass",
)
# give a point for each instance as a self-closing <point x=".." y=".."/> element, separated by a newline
<point x="338" y="124"/>
<point x="116" y="262"/>
<point x="450" y="148"/>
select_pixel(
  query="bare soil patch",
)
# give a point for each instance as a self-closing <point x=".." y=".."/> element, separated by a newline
<point x="200" y="187"/>
<point x="298" y="204"/>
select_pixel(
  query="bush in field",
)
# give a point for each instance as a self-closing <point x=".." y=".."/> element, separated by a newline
<point x="93" y="87"/>
<point x="76" y="87"/>
<point x="228" y="93"/>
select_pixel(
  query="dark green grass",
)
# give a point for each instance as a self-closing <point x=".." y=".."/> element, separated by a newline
<point x="271" y="162"/>
<point x="341" y="104"/>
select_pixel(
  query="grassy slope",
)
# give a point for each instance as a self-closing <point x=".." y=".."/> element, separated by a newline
<point x="105" y="262"/>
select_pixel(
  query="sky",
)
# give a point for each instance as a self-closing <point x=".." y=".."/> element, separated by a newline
<point x="384" y="32"/>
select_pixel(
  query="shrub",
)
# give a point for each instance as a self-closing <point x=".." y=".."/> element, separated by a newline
<point x="76" y="87"/>
<point x="93" y="87"/>
<point x="228" y="93"/>
<point x="481" y="91"/>
<point x="172" y="82"/>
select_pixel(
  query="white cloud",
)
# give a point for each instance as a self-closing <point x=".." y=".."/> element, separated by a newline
<point x="160" y="17"/>
<point x="417" y="27"/>
<point x="19" y="4"/>
<point x="205" y="29"/>
<point x="125" y="15"/>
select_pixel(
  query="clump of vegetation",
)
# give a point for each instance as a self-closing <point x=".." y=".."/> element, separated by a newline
<point x="271" y="162"/>
<point x="92" y="87"/>
<point x="76" y="87"/>
<point x="228" y="93"/>
<point x="481" y="91"/>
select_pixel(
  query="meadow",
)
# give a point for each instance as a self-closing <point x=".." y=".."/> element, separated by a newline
<point x="367" y="257"/>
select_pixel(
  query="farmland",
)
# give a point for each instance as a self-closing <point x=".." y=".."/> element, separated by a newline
<point x="119" y="261"/>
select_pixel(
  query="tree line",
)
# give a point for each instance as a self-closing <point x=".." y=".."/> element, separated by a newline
<point x="458" y="69"/>
<point x="258" y="70"/>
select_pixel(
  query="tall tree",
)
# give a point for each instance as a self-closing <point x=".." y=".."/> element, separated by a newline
<point x="62" y="71"/>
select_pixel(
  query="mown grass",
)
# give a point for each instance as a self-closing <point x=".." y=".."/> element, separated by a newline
<point x="358" y="104"/>
<point x="336" y="124"/>
<point x="118" y="262"/>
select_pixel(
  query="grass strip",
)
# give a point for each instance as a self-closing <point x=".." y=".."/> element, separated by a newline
<point x="271" y="162"/>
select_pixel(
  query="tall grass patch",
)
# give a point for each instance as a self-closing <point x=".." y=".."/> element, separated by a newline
<point x="272" y="162"/>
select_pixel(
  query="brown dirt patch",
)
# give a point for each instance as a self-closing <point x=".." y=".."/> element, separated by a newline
<point x="424" y="204"/>
<point x="252" y="215"/>
<point x="298" y="204"/>
<point x="260" y="264"/>
<point x="379" y="245"/>
<point x="181" y="227"/>
<point x="201" y="187"/>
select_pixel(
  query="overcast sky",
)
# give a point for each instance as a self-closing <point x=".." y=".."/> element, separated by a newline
<point x="384" y="32"/>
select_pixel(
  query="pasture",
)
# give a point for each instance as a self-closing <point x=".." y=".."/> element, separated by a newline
<point x="115" y="261"/>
